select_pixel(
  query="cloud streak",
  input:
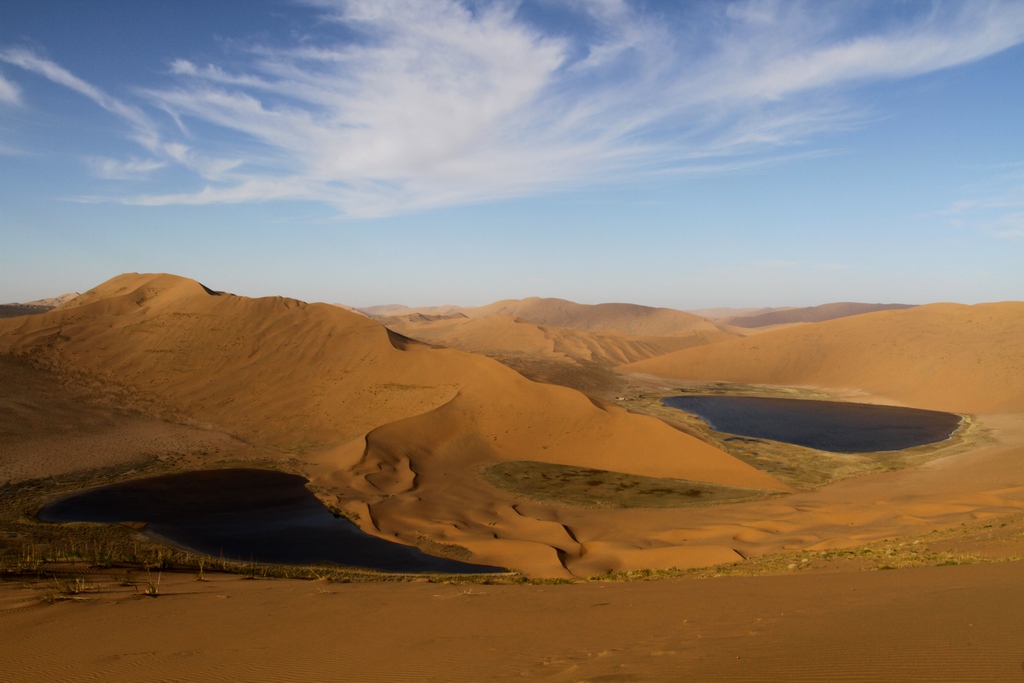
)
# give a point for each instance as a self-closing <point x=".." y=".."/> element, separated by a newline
<point x="434" y="103"/>
<point x="30" y="61"/>
<point x="995" y="206"/>
<point x="9" y="92"/>
<point x="116" y="169"/>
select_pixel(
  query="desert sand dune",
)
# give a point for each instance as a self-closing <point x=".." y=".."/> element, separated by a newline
<point x="505" y="335"/>
<point x="561" y="342"/>
<point x="812" y="314"/>
<point x="398" y="426"/>
<point x="398" y="432"/>
<point x="14" y="310"/>
<point x="723" y="313"/>
<point x="941" y="356"/>
<point x="621" y="318"/>
<point x="629" y="319"/>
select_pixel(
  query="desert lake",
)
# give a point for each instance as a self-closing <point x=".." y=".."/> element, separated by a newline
<point x="823" y="425"/>
<point x="247" y="515"/>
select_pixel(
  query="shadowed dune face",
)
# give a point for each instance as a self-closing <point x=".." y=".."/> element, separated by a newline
<point x="399" y="429"/>
<point x="950" y="357"/>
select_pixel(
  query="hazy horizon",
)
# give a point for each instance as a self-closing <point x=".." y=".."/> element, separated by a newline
<point x="745" y="154"/>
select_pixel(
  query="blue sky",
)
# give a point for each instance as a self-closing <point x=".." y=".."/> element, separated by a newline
<point x="697" y="154"/>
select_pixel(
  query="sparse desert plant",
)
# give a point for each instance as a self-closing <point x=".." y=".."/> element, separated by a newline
<point x="68" y="590"/>
<point x="153" y="589"/>
<point x="77" y="585"/>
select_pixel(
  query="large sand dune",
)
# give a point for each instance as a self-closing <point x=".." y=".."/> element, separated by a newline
<point x="941" y="356"/>
<point x="399" y="427"/>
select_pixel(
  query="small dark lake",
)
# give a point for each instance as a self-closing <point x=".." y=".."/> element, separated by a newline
<point x="247" y="515"/>
<point x="824" y="425"/>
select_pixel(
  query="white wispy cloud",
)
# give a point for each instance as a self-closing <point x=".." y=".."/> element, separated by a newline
<point x="8" y="151"/>
<point x="30" y="61"/>
<point x="436" y="103"/>
<point x="994" y="206"/>
<point x="144" y="130"/>
<point x="117" y="169"/>
<point x="10" y="93"/>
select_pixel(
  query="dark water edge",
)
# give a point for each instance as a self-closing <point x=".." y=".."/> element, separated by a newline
<point x="823" y="425"/>
<point x="247" y="515"/>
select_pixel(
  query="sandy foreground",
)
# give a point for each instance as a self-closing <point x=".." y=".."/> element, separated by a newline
<point x="959" y="623"/>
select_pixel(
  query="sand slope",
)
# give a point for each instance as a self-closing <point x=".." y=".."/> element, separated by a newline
<point x="400" y="427"/>
<point x="941" y="356"/>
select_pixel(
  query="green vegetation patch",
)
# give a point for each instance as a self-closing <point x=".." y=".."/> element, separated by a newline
<point x="590" y="488"/>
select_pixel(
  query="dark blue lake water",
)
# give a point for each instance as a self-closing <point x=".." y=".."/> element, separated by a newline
<point x="247" y="515"/>
<point x="824" y="425"/>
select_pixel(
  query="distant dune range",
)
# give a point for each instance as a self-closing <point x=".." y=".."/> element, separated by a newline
<point x="511" y="335"/>
<point x="813" y="314"/>
<point x="558" y="341"/>
<point x="604" y="334"/>
<point x="399" y="427"/>
<point x="940" y="356"/>
<point x="33" y="307"/>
